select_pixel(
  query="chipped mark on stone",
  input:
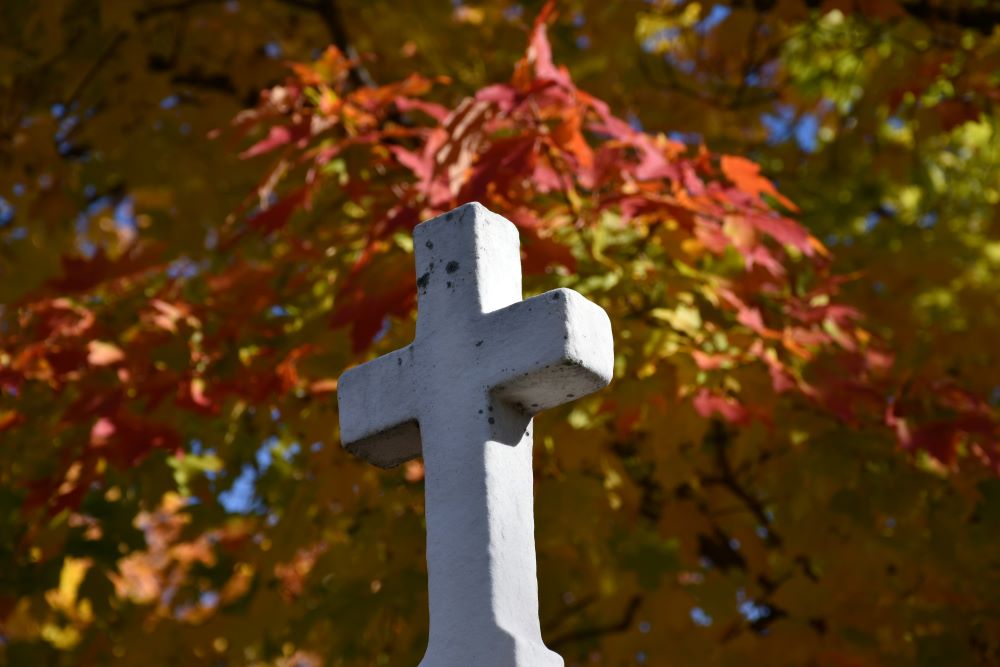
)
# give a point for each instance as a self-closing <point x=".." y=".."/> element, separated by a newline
<point x="450" y="215"/>
<point x="448" y="284"/>
<point x="423" y="280"/>
<point x="399" y="361"/>
<point x="555" y="297"/>
<point x="452" y="267"/>
<point x="492" y="421"/>
<point x="479" y="343"/>
<point x="480" y="412"/>
<point x="534" y="405"/>
<point x="429" y="245"/>
<point x="491" y="408"/>
<point x="570" y="395"/>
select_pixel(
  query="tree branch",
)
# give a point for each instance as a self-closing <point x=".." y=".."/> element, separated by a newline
<point x="621" y="625"/>
<point x="983" y="19"/>
<point x="329" y="12"/>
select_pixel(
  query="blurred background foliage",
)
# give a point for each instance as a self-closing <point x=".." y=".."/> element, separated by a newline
<point x="172" y="489"/>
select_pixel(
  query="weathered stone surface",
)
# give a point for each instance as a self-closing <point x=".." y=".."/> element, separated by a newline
<point x="463" y="394"/>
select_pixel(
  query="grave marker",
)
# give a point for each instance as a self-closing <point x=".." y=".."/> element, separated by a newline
<point x="462" y="395"/>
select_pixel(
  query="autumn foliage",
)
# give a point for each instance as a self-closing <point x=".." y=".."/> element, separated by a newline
<point x="745" y="475"/>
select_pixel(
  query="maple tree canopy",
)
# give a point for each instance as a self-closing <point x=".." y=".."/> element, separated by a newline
<point x="789" y="210"/>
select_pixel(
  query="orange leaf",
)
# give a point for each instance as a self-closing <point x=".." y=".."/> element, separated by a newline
<point x="745" y="174"/>
<point x="10" y="419"/>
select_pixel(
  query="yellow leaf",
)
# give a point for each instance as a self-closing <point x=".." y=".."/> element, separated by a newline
<point x="64" y="597"/>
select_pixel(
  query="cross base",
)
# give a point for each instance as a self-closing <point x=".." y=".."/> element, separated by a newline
<point x="503" y="650"/>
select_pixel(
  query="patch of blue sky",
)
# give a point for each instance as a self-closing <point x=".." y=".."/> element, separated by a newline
<point x="716" y="15"/>
<point x="749" y="608"/>
<point x="685" y="65"/>
<point x="650" y="44"/>
<point x="273" y="50"/>
<point x="872" y="220"/>
<point x="211" y="239"/>
<point x="263" y="455"/>
<point x="66" y="126"/>
<point x="928" y="220"/>
<point x="807" y="132"/>
<point x="241" y="497"/>
<point x="383" y="330"/>
<point x="689" y="138"/>
<point x="764" y="75"/>
<point x="513" y="12"/>
<point x="783" y="124"/>
<point x="182" y="268"/>
<point x="125" y="213"/>
<point x="82" y="223"/>
<point x="842" y="241"/>
<point x="6" y="212"/>
<point x="700" y="617"/>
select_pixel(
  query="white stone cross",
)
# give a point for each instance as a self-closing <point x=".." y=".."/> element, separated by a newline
<point x="462" y="394"/>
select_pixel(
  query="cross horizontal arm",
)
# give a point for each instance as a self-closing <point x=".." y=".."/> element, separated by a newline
<point x="378" y="409"/>
<point x="548" y="350"/>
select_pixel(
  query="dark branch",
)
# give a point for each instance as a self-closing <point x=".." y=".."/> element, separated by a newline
<point x="92" y="71"/>
<point x="170" y="8"/>
<point x="568" y="611"/>
<point x="621" y="625"/>
<point x="329" y="12"/>
<point x="983" y="19"/>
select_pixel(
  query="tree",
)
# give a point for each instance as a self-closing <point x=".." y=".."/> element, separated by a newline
<point x="796" y="463"/>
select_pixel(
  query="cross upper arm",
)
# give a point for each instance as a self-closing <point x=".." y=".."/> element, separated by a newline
<point x="378" y="409"/>
<point x="548" y="350"/>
